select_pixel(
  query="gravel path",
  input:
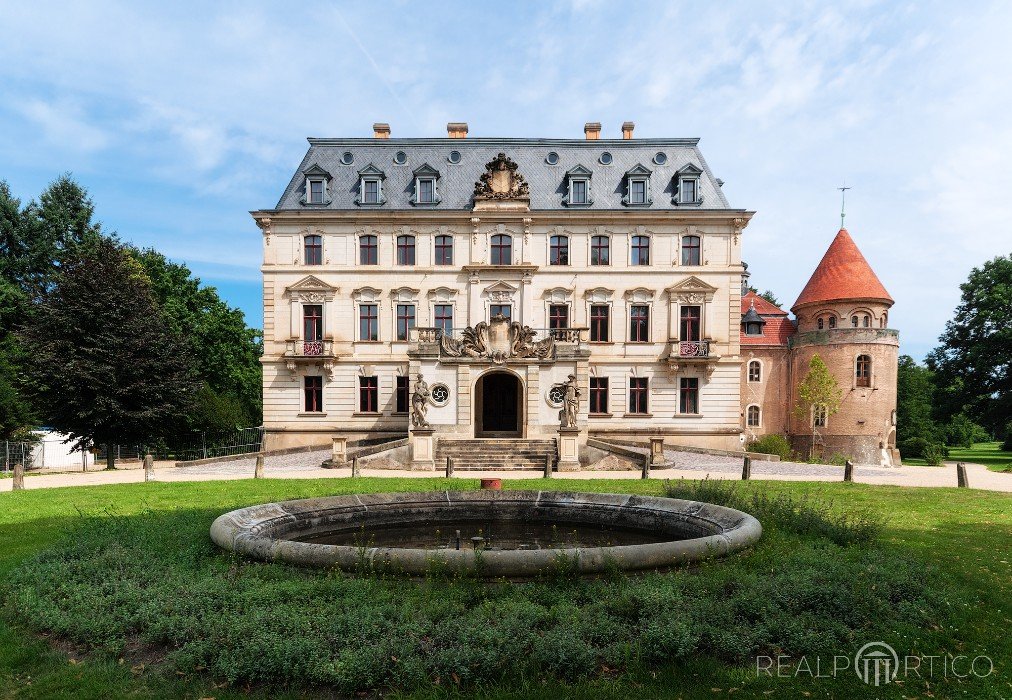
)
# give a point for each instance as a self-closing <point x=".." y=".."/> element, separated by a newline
<point x="274" y="464"/>
<point x="714" y="463"/>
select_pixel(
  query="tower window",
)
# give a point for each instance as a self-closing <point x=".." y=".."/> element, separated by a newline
<point x="755" y="371"/>
<point x="832" y="321"/>
<point x="753" y="417"/>
<point x="853" y="321"/>
<point x="820" y="323"/>
<point x="862" y="370"/>
<point x="866" y="321"/>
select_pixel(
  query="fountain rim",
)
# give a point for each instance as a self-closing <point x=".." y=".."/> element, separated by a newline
<point x="257" y="532"/>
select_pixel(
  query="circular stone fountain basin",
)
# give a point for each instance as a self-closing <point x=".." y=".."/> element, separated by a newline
<point x="515" y="533"/>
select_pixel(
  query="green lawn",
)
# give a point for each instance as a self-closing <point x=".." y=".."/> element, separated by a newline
<point x="989" y="454"/>
<point x="959" y="538"/>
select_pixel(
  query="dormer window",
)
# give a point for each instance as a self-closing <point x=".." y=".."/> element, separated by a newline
<point x="687" y="186"/>
<point x="637" y="187"/>
<point x="370" y="186"/>
<point x="578" y="187"/>
<point x="752" y="322"/>
<point x="317" y="180"/>
<point x="425" y="186"/>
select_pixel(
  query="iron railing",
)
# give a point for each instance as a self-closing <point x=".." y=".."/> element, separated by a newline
<point x="693" y="348"/>
<point x="309" y="348"/>
<point x="422" y="334"/>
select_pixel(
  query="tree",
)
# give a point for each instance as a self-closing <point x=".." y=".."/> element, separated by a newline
<point x="226" y="352"/>
<point x="975" y="355"/>
<point x="915" y="398"/>
<point x="104" y="362"/>
<point x="16" y="415"/>
<point x="768" y="295"/>
<point x="818" y="388"/>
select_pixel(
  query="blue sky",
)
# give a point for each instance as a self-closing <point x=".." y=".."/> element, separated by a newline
<point x="181" y="117"/>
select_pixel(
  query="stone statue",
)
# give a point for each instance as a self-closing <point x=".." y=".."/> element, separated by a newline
<point x="420" y="403"/>
<point x="570" y="402"/>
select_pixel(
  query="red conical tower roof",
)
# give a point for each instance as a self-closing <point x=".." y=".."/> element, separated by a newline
<point x="843" y="274"/>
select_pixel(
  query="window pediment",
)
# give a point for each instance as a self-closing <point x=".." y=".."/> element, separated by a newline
<point x="404" y="294"/>
<point x="442" y="294"/>
<point x="366" y="294"/>
<point x="311" y="289"/>
<point x="315" y="170"/>
<point x="640" y="294"/>
<point x="598" y="294"/>
<point x="638" y="169"/>
<point x="372" y="171"/>
<point x="558" y="294"/>
<point x="692" y="290"/>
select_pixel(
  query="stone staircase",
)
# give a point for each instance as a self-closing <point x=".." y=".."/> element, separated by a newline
<point x="496" y="454"/>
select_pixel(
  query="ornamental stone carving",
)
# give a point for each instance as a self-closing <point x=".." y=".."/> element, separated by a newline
<point x="501" y="181"/>
<point x="498" y="341"/>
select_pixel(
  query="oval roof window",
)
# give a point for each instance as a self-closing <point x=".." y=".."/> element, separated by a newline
<point x="605" y="158"/>
<point x="552" y="158"/>
<point x="400" y="157"/>
<point x="347" y="158"/>
<point x="660" y="158"/>
<point x="454" y="157"/>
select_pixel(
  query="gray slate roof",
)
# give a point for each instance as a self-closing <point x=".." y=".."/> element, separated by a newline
<point x="547" y="182"/>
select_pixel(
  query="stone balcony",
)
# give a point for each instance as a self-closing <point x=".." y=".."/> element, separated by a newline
<point x="309" y="351"/>
<point x="500" y="341"/>
<point x="683" y="354"/>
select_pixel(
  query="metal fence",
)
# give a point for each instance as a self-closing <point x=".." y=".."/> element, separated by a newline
<point x="201" y="446"/>
<point x="12" y="453"/>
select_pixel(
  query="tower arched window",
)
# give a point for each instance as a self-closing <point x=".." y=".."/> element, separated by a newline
<point x="755" y="371"/>
<point x="832" y="321"/>
<point x="866" y="321"/>
<point x="853" y="321"/>
<point x="820" y="324"/>
<point x="862" y="370"/>
<point x="502" y="249"/>
<point x="753" y="416"/>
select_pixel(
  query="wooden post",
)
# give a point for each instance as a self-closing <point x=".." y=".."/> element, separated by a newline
<point x="646" y="467"/>
<point x="149" y="468"/>
<point x="848" y="471"/>
<point x="961" y="480"/>
<point x="19" y="476"/>
<point x="548" y="466"/>
<point x="258" y="470"/>
<point x="746" y="469"/>
<point x="449" y="467"/>
<point x="354" y="468"/>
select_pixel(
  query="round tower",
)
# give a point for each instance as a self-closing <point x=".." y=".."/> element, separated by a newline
<point x="843" y="317"/>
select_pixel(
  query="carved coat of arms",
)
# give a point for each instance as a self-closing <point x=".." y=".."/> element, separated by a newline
<point x="498" y="341"/>
<point x="501" y="181"/>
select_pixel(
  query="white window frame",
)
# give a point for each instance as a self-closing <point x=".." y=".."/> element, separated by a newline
<point x="748" y="372"/>
<point x="379" y="191"/>
<point x="585" y="200"/>
<point x="310" y="181"/>
<point x="418" y="190"/>
<point x="758" y="408"/>
<point x="645" y="181"/>
<point x="683" y="180"/>
<point x="821" y="408"/>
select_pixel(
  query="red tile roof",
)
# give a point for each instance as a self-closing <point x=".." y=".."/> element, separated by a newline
<point x="842" y="274"/>
<point x="777" y="329"/>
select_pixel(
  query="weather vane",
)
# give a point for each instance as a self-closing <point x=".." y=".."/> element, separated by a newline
<point x="843" y="202"/>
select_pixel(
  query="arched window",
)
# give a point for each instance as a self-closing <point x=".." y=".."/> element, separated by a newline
<point x="558" y="253"/>
<point x="502" y="249"/>
<point x="691" y="253"/>
<point x="640" y="251"/>
<point x="600" y="250"/>
<point x="819" y="416"/>
<point x="753" y="417"/>
<point x="885" y="319"/>
<point x="314" y="250"/>
<point x="832" y="321"/>
<point x="820" y="324"/>
<point x="862" y="370"/>
<point x="755" y="371"/>
<point x="405" y="250"/>
<point x="368" y="251"/>
<point x="867" y="321"/>
<point x="853" y="321"/>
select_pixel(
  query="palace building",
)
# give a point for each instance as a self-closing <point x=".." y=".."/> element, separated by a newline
<point x="543" y="296"/>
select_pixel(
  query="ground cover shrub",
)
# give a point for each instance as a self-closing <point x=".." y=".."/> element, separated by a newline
<point x="934" y="454"/>
<point x="155" y="582"/>
<point x="771" y="444"/>
<point x="923" y="448"/>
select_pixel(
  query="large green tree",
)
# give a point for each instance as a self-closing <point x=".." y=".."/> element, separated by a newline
<point x="226" y="351"/>
<point x="105" y="364"/>
<point x="915" y="397"/>
<point x="973" y="364"/>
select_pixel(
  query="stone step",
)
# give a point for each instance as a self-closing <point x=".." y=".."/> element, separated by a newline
<point x="495" y="454"/>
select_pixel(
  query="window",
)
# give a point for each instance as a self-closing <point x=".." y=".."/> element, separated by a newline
<point x="599" y="323"/>
<point x="370" y="191"/>
<point x="640" y="250"/>
<point x="558" y="252"/>
<point x="405" y="320"/>
<point x="444" y="250"/>
<point x="638" y="389"/>
<point x="405" y="250"/>
<point x="558" y="316"/>
<point x="368" y="251"/>
<point x="755" y="371"/>
<point x="689" y="326"/>
<point x="687" y="190"/>
<point x="400" y="157"/>
<point x="444" y="318"/>
<point x="401" y="395"/>
<point x="314" y="250"/>
<point x="639" y="324"/>
<point x="600" y="249"/>
<point x="753" y="417"/>
<point x="368" y="322"/>
<point x="313" y="390"/>
<point x="504" y="310"/>
<point x="862" y="370"/>
<point x="885" y="320"/>
<point x="832" y="321"/>
<point x="578" y="192"/>
<point x="502" y="249"/>
<point x="688" y="400"/>
<point x="691" y="250"/>
<point x="866" y="321"/>
<point x="753" y="328"/>
<point x="819" y="415"/>
<point x="312" y="322"/>
<point x="426" y="190"/>
<point x="853" y="321"/>
<point x="637" y="191"/>
<point x="316" y="189"/>
<point x="820" y="324"/>
<point x="368" y="395"/>
<point x="454" y="157"/>
<point x="598" y="395"/>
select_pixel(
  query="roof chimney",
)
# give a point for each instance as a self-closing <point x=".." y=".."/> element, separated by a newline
<point x="627" y="129"/>
<point x="456" y="130"/>
<point x="380" y="130"/>
<point x="592" y="130"/>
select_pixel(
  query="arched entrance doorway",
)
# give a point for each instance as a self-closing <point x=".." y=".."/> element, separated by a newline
<point x="498" y="405"/>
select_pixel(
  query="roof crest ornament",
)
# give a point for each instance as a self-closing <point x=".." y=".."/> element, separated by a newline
<point x="500" y="185"/>
<point x="843" y="202"/>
